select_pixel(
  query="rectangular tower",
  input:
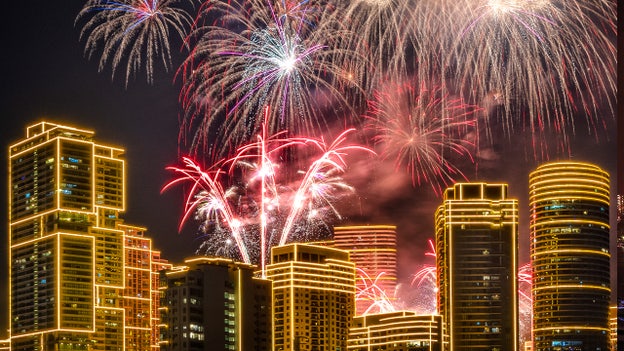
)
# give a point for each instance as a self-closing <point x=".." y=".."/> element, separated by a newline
<point x="214" y="303"/>
<point x="477" y="243"/>
<point x="313" y="297"/>
<point x="65" y="195"/>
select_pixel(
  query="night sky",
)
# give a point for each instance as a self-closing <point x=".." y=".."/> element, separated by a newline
<point x="45" y="76"/>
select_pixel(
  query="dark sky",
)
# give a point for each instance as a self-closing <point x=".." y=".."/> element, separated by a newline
<point x="45" y="76"/>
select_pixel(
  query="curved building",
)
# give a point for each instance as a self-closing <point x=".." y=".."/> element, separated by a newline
<point x="373" y="249"/>
<point x="569" y="228"/>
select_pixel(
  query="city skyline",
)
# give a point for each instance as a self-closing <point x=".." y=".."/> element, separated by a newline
<point x="49" y="78"/>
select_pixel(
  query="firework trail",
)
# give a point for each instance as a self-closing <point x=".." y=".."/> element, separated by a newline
<point x="370" y="291"/>
<point x="385" y="36"/>
<point x="255" y="53"/>
<point x="525" y="300"/>
<point x="242" y="196"/>
<point x="546" y="62"/>
<point x="426" y="278"/>
<point x="421" y="129"/>
<point x="136" y="31"/>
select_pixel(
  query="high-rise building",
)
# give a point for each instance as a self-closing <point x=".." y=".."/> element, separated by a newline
<point x="569" y="232"/>
<point x="396" y="331"/>
<point x="214" y="303"/>
<point x="373" y="250"/>
<point x="141" y="296"/>
<point x="65" y="195"/>
<point x="80" y="279"/>
<point x="476" y="232"/>
<point x="313" y="297"/>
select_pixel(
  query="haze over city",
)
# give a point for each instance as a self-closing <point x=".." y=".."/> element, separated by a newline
<point x="47" y="76"/>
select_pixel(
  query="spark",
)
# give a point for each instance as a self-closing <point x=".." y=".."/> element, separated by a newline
<point x="263" y="53"/>
<point x="421" y="129"/>
<point x="552" y="62"/>
<point x="369" y="292"/>
<point x="258" y="210"/>
<point x="136" y="31"/>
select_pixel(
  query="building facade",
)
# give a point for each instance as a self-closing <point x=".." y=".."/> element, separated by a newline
<point x="313" y="297"/>
<point x="65" y="195"/>
<point x="373" y="249"/>
<point x="80" y="279"/>
<point x="215" y="304"/>
<point x="141" y="296"/>
<point x="476" y="230"/>
<point x="569" y="231"/>
<point x="396" y="331"/>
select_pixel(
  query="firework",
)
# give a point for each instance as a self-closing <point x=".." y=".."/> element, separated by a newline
<point x="369" y="291"/>
<point x="421" y="129"/>
<point x="136" y="31"/>
<point x="525" y="300"/>
<point x="259" y="53"/>
<point x="547" y="62"/>
<point x="385" y="37"/>
<point x="425" y="280"/>
<point x="242" y="196"/>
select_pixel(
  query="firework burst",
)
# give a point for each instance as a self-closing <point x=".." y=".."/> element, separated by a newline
<point x="385" y="37"/>
<point x="241" y="204"/>
<point x="421" y="129"/>
<point x="548" y="62"/>
<point x="259" y="53"/>
<point x="136" y="31"/>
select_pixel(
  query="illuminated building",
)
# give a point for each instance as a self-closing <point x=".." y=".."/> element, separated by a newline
<point x="5" y="345"/>
<point x="65" y="196"/>
<point x="313" y="297"/>
<point x="396" y="331"/>
<point x="215" y="303"/>
<point x="80" y="278"/>
<point x="141" y="294"/>
<point x="476" y="242"/>
<point x="620" y="270"/>
<point x="569" y="231"/>
<point x="373" y="250"/>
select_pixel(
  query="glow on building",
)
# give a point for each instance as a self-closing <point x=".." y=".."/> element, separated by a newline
<point x="476" y="242"/>
<point x="66" y="255"/>
<point x="569" y="232"/>
<point x="396" y="331"/>
<point x="141" y="294"/>
<point x="373" y="250"/>
<point x="313" y="297"/>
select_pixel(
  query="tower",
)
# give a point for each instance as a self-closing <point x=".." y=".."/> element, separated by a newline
<point x="569" y="230"/>
<point x="313" y="297"/>
<point x="213" y="303"/>
<point x="373" y="250"/>
<point x="476" y="231"/>
<point x="65" y="195"/>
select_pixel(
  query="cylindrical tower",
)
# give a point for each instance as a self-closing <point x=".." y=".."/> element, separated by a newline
<point x="569" y="228"/>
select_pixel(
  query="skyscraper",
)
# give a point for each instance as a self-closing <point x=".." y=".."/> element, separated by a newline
<point x="81" y="279"/>
<point x="65" y="195"/>
<point x="214" y="303"/>
<point x="476" y="230"/>
<point x="373" y="250"/>
<point x="313" y="297"/>
<point x="569" y="230"/>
